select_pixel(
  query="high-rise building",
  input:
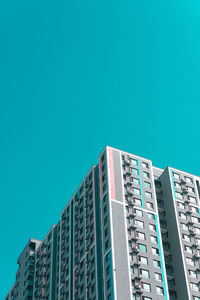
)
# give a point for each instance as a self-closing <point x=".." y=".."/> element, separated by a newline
<point x="22" y="289"/>
<point x="131" y="231"/>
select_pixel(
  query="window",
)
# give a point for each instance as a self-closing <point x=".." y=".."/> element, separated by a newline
<point x="184" y="226"/>
<point x="182" y="215"/>
<point x="181" y="205"/>
<point x="177" y="185"/>
<point x="147" y="184"/>
<point x="148" y="195"/>
<point x="155" y="251"/>
<point x="134" y="171"/>
<point x="158" y="277"/>
<point x="190" y="189"/>
<point x="196" y="298"/>
<point x="179" y="195"/>
<point x="140" y="235"/>
<point x="136" y="191"/>
<point x="195" y="219"/>
<point x="150" y="205"/>
<point x="132" y="270"/>
<point x="186" y="237"/>
<point x="188" y="249"/>
<point x="134" y="161"/>
<point x="194" y="287"/>
<point x="194" y="209"/>
<point x="146" y="286"/>
<point x="143" y="247"/>
<point x="144" y="273"/>
<point x="190" y="261"/>
<point x="188" y="179"/>
<point x="151" y="216"/>
<point x="192" y="273"/>
<point x="197" y="241"/>
<point x="139" y="223"/>
<point x="146" y="298"/>
<point x="192" y="199"/>
<point x="153" y="239"/>
<point x="138" y="202"/>
<point x="135" y="180"/>
<point x="176" y="176"/>
<point x="143" y="260"/>
<point x="197" y="230"/>
<point x="145" y="165"/>
<point x="152" y="227"/>
<point x="159" y="290"/>
<point x="156" y="264"/>
<point x="146" y="174"/>
<point x="139" y="212"/>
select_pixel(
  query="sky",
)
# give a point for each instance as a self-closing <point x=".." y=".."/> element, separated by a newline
<point x="76" y="76"/>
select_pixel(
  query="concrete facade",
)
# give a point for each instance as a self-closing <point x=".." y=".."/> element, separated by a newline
<point x="131" y="231"/>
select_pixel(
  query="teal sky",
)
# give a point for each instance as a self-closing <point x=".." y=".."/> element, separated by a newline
<point x="77" y="75"/>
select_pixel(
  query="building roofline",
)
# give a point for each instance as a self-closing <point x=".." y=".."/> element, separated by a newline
<point x="69" y="201"/>
<point x="189" y="174"/>
<point x="30" y="240"/>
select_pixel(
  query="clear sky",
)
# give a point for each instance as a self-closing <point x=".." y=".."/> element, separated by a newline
<point x="77" y="75"/>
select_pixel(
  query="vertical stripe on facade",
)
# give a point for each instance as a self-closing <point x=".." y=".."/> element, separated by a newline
<point x="100" y="172"/>
<point x="111" y="170"/>
<point x="138" y="162"/>
<point x="161" y="258"/>
<point x="173" y="187"/>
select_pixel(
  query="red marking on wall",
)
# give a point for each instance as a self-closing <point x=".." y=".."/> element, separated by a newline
<point x="43" y="272"/>
<point x="101" y="185"/>
<point x="93" y="201"/>
<point x="74" y="285"/>
<point x="111" y="171"/>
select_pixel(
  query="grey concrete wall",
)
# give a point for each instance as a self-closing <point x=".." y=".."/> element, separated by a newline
<point x="172" y="228"/>
<point x="121" y="270"/>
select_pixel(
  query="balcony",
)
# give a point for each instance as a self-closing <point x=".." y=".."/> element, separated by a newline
<point x="194" y="246"/>
<point x="185" y="191"/>
<point x="132" y="226"/>
<point x="129" y="192"/>
<point x="183" y="181"/>
<point x="136" y="264"/>
<point x="128" y="184"/>
<point x="192" y="232"/>
<point x="127" y="161"/>
<point x="188" y="213"/>
<point x="132" y="214"/>
<point x="128" y="172"/>
<point x="130" y="202"/>
<point x="196" y="256"/>
<point x="190" y="222"/>
<point x="133" y="238"/>
<point x="186" y="201"/>
<point x="135" y="250"/>
<point x="138" y="288"/>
